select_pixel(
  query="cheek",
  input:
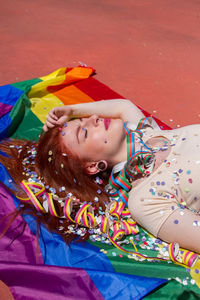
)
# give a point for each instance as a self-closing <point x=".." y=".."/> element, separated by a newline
<point x="95" y="146"/>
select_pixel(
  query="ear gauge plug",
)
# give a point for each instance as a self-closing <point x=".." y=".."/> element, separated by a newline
<point x="102" y="165"/>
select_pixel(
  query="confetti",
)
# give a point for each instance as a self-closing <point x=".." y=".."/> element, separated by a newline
<point x="195" y="223"/>
<point x="176" y="221"/>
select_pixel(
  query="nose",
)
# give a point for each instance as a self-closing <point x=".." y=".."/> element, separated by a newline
<point x="93" y="120"/>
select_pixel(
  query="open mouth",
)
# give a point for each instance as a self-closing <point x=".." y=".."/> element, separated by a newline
<point x="107" y="123"/>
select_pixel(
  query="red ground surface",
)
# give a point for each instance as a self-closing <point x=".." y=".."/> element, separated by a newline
<point x="146" y="50"/>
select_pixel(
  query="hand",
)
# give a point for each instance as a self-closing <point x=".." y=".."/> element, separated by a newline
<point x="57" y="116"/>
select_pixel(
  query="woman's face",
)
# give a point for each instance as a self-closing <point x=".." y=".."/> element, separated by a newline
<point x="94" y="138"/>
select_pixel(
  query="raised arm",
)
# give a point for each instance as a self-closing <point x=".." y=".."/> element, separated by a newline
<point x="116" y="108"/>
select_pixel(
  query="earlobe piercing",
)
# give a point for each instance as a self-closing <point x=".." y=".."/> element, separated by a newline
<point x="102" y="165"/>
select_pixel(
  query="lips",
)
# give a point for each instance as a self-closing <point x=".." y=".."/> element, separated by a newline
<point x="107" y="123"/>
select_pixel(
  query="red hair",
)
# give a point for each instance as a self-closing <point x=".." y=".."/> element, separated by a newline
<point x="58" y="169"/>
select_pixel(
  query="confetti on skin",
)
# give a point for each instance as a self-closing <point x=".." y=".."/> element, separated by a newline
<point x="64" y="154"/>
<point x="180" y="170"/>
<point x="187" y="190"/>
<point x="65" y="124"/>
<point x="172" y="207"/>
<point x="114" y="254"/>
<point x="188" y="172"/>
<point x="98" y="191"/>
<point x="190" y="180"/>
<point x="49" y="159"/>
<point x="195" y="223"/>
<point x="196" y="271"/>
<point x="176" y="222"/>
<point x="63" y="133"/>
<point x="121" y="255"/>
<point x="50" y="152"/>
<point x="62" y="166"/>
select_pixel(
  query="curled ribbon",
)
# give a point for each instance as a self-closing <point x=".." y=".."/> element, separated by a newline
<point x="111" y="222"/>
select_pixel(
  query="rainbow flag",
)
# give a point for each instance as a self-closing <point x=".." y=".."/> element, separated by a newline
<point x="89" y="270"/>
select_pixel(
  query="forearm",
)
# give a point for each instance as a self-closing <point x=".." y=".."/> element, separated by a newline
<point x="116" y="108"/>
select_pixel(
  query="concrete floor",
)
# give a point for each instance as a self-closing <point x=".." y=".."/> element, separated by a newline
<point x="146" y="50"/>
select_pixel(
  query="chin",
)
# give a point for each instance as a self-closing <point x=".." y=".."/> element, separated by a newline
<point x="118" y="127"/>
<point x="120" y="124"/>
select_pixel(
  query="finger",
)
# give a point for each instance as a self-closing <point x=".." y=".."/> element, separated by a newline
<point x="50" y="120"/>
<point x="53" y="115"/>
<point x="49" y="124"/>
<point x="45" y="128"/>
<point x="62" y="120"/>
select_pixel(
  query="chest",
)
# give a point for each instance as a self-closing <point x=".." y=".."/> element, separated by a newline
<point x="161" y="147"/>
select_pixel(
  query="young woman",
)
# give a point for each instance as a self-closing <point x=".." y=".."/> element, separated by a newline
<point x="163" y="166"/>
<point x="167" y="201"/>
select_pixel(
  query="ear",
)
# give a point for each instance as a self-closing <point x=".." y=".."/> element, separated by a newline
<point x="91" y="168"/>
